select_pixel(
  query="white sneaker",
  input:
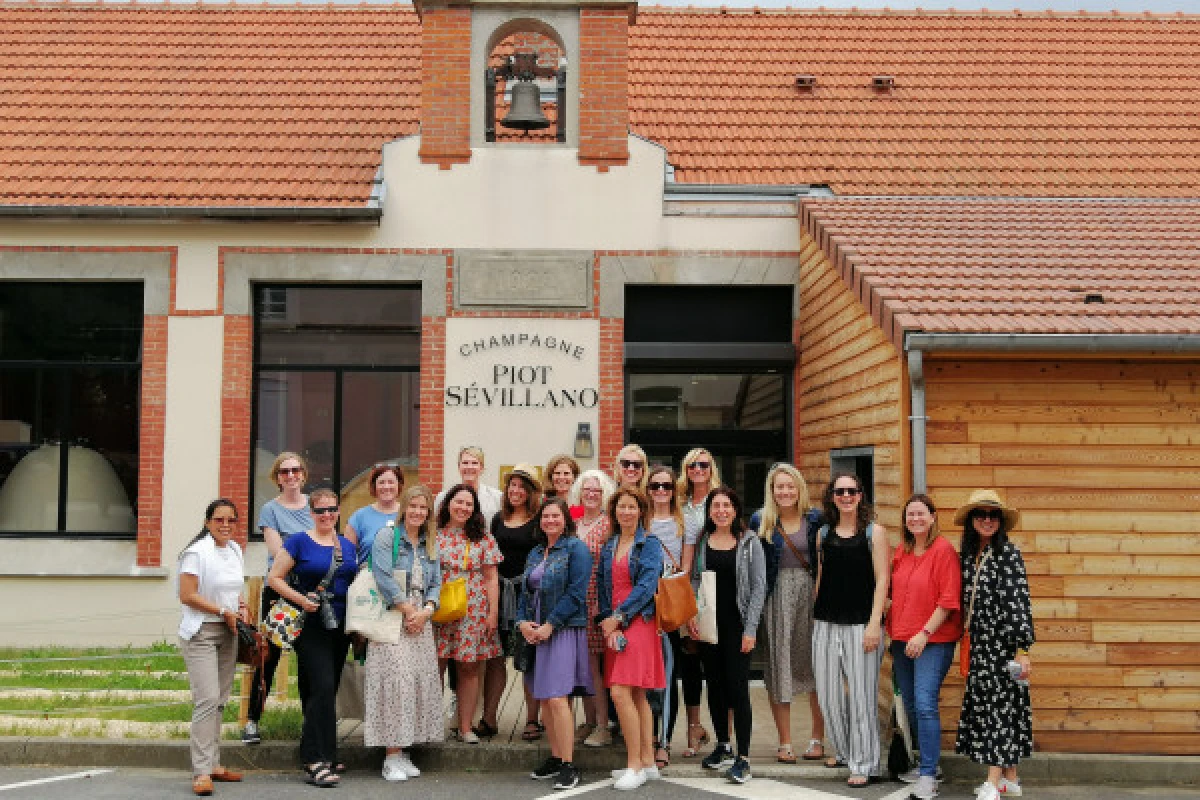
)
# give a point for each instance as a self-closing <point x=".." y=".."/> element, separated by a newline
<point x="910" y="776"/>
<point x="652" y="773"/>
<point x="406" y="764"/>
<point x="1006" y="788"/>
<point x="925" y="788"/>
<point x="987" y="791"/>
<point x="392" y="769"/>
<point x="631" y="779"/>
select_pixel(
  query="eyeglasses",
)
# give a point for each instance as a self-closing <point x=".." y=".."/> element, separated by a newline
<point x="627" y="463"/>
<point x="988" y="514"/>
<point x="224" y="520"/>
<point x="699" y="465"/>
<point x="326" y="510"/>
<point x="846" y="491"/>
<point x="591" y="490"/>
<point x="291" y="470"/>
<point x="656" y="486"/>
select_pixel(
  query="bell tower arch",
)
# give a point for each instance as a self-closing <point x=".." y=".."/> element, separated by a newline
<point x="464" y="40"/>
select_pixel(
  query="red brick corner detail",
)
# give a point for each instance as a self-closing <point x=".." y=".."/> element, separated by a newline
<point x="152" y="441"/>
<point x="236" y="411"/>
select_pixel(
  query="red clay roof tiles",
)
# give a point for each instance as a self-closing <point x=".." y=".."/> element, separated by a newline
<point x="994" y="265"/>
<point x="245" y="105"/>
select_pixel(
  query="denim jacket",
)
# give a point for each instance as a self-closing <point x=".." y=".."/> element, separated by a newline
<point x="773" y="548"/>
<point x="564" y="583"/>
<point x="645" y="568"/>
<point x="384" y="569"/>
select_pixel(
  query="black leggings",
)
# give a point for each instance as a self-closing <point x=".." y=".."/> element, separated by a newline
<point x="320" y="654"/>
<point x="727" y="670"/>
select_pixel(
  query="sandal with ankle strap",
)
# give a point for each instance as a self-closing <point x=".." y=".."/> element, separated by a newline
<point x="665" y="761"/>
<point x="322" y="775"/>
<point x="694" y="743"/>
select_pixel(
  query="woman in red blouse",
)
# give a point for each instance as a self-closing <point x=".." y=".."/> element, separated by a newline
<point x="924" y="624"/>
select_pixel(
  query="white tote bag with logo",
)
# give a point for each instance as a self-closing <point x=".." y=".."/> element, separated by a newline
<point x="366" y="612"/>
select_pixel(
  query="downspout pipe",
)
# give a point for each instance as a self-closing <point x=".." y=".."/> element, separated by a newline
<point x="917" y="344"/>
<point x="917" y="417"/>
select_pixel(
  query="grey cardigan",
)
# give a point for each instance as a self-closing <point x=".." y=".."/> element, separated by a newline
<point x="751" y="578"/>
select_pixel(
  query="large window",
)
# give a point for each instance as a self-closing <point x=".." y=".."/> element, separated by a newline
<point x="70" y="369"/>
<point x="336" y="380"/>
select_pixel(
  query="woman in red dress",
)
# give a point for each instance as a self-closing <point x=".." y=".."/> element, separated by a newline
<point x="626" y="582"/>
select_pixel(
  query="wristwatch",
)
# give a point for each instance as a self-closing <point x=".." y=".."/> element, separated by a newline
<point x="621" y="619"/>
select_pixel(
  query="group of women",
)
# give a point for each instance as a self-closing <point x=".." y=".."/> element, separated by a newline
<point x="561" y="577"/>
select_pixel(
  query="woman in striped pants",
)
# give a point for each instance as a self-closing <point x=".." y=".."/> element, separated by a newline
<point x="852" y="581"/>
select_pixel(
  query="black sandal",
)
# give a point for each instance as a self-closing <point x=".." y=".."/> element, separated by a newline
<point x="533" y="731"/>
<point x="321" y="775"/>
<point x="662" y="763"/>
<point x="485" y="731"/>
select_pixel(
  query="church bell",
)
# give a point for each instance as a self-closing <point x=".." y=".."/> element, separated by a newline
<point x="525" y="113"/>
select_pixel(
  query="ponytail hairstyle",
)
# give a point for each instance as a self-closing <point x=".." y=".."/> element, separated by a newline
<point x="220" y="502"/>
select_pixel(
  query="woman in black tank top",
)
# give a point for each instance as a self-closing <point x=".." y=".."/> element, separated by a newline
<point x="852" y="579"/>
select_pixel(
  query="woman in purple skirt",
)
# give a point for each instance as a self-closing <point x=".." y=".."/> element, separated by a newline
<point x="552" y="616"/>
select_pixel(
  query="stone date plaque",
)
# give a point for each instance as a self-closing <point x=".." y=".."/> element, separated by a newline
<point x="520" y="279"/>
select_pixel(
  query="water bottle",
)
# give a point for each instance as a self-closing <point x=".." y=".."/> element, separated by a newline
<point x="1015" y="669"/>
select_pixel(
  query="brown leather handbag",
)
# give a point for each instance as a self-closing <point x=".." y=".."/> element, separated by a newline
<point x="675" y="600"/>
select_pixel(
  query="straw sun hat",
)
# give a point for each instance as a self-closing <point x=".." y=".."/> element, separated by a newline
<point x="987" y="498"/>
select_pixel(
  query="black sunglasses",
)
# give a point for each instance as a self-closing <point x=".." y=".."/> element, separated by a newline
<point x="846" y="491"/>
<point x="630" y="463"/>
<point x="990" y="513"/>
<point x="325" y="510"/>
<point x="656" y="485"/>
<point x="700" y="465"/>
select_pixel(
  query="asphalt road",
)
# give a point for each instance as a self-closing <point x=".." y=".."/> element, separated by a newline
<point x="21" y="783"/>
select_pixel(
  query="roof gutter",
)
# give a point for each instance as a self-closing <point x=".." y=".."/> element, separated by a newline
<point x="371" y="212"/>
<point x="917" y="344"/>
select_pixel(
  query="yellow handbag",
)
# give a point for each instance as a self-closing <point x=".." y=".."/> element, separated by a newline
<point x="452" y="601"/>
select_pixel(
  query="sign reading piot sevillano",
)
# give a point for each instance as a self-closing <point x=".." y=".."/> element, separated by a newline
<point x="521" y="364"/>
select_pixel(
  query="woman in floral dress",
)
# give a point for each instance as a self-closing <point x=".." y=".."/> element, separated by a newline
<point x="468" y="550"/>
<point x="996" y="726"/>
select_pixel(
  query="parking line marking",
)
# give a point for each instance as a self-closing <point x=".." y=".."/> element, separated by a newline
<point x="91" y="773"/>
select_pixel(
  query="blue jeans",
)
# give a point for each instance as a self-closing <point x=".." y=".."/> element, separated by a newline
<point x="920" y="682"/>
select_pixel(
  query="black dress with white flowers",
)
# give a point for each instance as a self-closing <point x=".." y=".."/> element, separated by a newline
<point x="996" y="726"/>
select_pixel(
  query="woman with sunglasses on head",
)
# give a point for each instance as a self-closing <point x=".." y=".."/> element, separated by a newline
<point x="736" y="555"/>
<point x="553" y="618"/>
<point x="783" y="523"/>
<point x="664" y="522"/>
<point x="699" y="474"/>
<point x="384" y="482"/>
<point x="995" y="727"/>
<point x="321" y="565"/>
<point x="852" y="583"/>
<point x="626" y="580"/>
<point x="402" y="692"/>
<point x="210" y="574"/>
<point x="923" y="625"/>
<point x="591" y="493"/>
<point x="284" y="516"/>
<point x="515" y="532"/>
<point x="468" y="551"/>
<point x="629" y="469"/>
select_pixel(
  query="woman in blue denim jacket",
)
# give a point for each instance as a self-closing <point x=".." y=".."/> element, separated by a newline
<point x="626" y="582"/>
<point x="552" y="616"/>
<point x="402" y="690"/>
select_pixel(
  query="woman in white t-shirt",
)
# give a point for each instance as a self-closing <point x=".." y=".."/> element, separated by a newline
<point x="211" y="576"/>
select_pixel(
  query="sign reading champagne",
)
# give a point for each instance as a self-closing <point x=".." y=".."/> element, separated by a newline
<point x="519" y="388"/>
<point x="521" y="364"/>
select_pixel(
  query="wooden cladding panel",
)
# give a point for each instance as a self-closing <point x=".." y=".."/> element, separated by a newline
<point x="1102" y="457"/>
<point x="850" y="388"/>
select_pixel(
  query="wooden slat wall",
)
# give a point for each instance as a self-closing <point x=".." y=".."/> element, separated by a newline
<point x="1102" y="458"/>
<point x="849" y="389"/>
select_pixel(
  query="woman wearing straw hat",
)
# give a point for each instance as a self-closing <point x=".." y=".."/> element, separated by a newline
<point x="996" y="726"/>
